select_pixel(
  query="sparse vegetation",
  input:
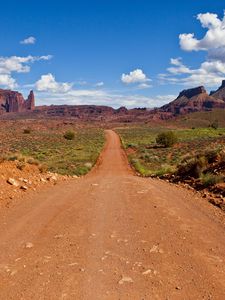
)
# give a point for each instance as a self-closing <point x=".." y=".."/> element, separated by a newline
<point x="69" y="135"/>
<point x="215" y="124"/>
<point x="197" y="151"/>
<point x="210" y="179"/>
<point x="48" y="148"/>
<point x="166" y="139"/>
<point x="192" y="167"/>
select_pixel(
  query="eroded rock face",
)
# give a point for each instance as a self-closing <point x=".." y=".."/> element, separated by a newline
<point x="12" y="101"/>
<point x="220" y="93"/>
<point x="194" y="100"/>
<point x="192" y="92"/>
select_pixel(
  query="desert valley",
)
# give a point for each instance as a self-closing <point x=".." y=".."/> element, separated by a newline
<point x="112" y="150"/>
<point x="52" y="156"/>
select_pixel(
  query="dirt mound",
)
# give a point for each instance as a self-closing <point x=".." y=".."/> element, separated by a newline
<point x="17" y="178"/>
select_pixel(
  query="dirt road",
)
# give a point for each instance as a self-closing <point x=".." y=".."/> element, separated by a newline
<point x="112" y="235"/>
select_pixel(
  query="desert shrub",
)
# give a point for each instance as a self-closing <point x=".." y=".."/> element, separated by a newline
<point x="192" y="167"/>
<point x="131" y="145"/>
<point x="12" y="157"/>
<point x="69" y="135"/>
<point x="212" y="155"/>
<point x="222" y="155"/>
<point x="214" y="124"/>
<point x="209" y="179"/>
<point x="139" y="167"/>
<point x="32" y="161"/>
<point x="164" y="170"/>
<point x="27" y="131"/>
<point x="43" y="168"/>
<point x="166" y="139"/>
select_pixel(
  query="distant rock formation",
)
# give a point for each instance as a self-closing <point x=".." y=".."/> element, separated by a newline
<point x="188" y="101"/>
<point x="220" y="93"/>
<point x="192" y="92"/>
<point x="196" y="99"/>
<point x="12" y="101"/>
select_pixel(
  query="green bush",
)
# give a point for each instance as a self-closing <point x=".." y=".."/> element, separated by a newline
<point x="192" y="167"/>
<point x="69" y="135"/>
<point x="166" y="139"/>
<point x="209" y="179"/>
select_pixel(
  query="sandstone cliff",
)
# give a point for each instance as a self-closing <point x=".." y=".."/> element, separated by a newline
<point x="220" y="93"/>
<point x="192" y="100"/>
<point x="12" y="101"/>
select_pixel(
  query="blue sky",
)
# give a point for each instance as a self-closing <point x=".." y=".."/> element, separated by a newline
<point x="133" y="53"/>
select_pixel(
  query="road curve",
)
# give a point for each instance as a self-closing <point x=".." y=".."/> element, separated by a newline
<point x="112" y="235"/>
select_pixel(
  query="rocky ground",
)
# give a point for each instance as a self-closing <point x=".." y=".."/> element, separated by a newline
<point x="16" y="179"/>
<point x="112" y="235"/>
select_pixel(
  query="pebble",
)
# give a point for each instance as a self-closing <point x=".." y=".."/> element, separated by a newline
<point x="29" y="245"/>
<point x="147" y="272"/>
<point x="24" y="187"/>
<point x="126" y="279"/>
<point x="58" y="236"/>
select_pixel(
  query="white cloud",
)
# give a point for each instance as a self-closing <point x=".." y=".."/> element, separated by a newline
<point x="214" y="37"/>
<point x="28" y="41"/>
<point x="19" y="64"/>
<point x="178" y="67"/>
<point x="210" y="73"/>
<point x="16" y="64"/>
<point x="48" y="83"/>
<point x="143" y="86"/>
<point x="99" y="97"/>
<point x="136" y="76"/>
<point x="7" y="81"/>
<point x="99" y="84"/>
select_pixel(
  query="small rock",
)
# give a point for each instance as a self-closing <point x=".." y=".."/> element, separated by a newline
<point x="147" y="272"/>
<point x="73" y="264"/>
<point x="58" y="236"/>
<point x="24" y="187"/>
<point x="29" y="245"/>
<point x="126" y="279"/>
<point x="13" y="272"/>
<point x="13" y="182"/>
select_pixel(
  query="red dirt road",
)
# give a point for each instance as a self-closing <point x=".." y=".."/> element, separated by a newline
<point x="112" y="235"/>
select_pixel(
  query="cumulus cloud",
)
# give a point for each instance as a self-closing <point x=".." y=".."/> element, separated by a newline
<point x="19" y="64"/>
<point x="7" y="81"/>
<point x="28" y="41"/>
<point x="16" y="64"/>
<point x="136" y="76"/>
<point x="214" y="37"/>
<point x="210" y="73"/>
<point x="178" y="67"/>
<point x="48" y="83"/>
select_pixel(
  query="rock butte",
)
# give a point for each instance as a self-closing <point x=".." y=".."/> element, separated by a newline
<point x="189" y="100"/>
<point x="12" y="101"/>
